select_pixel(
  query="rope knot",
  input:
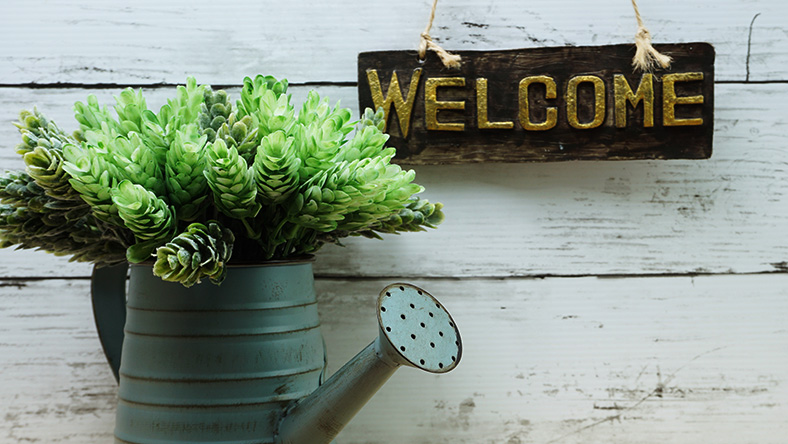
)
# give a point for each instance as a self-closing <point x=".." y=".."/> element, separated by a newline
<point x="449" y="60"/>
<point x="646" y="57"/>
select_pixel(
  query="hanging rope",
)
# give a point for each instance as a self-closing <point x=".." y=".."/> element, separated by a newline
<point x="449" y="60"/>
<point x="646" y="57"/>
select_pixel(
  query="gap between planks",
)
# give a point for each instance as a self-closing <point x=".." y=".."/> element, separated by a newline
<point x="88" y="86"/>
<point x="11" y="281"/>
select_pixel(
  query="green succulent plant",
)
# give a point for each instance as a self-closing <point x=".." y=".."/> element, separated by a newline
<point x="179" y="186"/>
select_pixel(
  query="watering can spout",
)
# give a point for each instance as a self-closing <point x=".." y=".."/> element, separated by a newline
<point x="415" y="330"/>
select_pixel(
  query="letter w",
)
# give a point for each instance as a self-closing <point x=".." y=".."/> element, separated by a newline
<point x="394" y="95"/>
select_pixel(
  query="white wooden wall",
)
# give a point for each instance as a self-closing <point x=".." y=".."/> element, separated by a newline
<point x="616" y="302"/>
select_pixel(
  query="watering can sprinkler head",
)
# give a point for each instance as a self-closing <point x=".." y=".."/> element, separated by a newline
<point x="415" y="330"/>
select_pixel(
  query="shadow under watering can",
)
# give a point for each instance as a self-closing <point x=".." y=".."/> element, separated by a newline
<point x="244" y="362"/>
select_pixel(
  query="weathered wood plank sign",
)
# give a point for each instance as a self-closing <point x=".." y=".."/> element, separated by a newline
<point x="543" y="104"/>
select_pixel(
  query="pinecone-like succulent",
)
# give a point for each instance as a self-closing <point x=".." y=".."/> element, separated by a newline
<point x="329" y="196"/>
<point x="135" y="161"/>
<point x="214" y="113"/>
<point x="231" y="181"/>
<point x="186" y="162"/>
<point x="184" y="109"/>
<point x="376" y="119"/>
<point x="38" y="131"/>
<point x="276" y="168"/>
<point x="147" y="216"/>
<point x="93" y="177"/>
<point x="18" y="188"/>
<point x="130" y="105"/>
<point x="321" y="134"/>
<point x="45" y="166"/>
<point x="368" y="142"/>
<point x="418" y="214"/>
<point x="266" y="100"/>
<point x="31" y="219"/>
<point x="93" y="117"/>
<point x="388" y="188"/>
<point x="199" y="252"/>
<point x="241" y="135"/>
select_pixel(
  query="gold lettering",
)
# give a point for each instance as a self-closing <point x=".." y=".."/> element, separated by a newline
<point x="432" y="105"/>
<point x="525" y="113"/>
<point x="670" y="100"/>
<point x="481" y="108"/>
<point x="404" y="108"/>
<point x="645" y="93"/>
<point x="599" y="101"/>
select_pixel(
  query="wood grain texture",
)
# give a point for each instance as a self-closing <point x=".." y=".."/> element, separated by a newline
<point x="149" y="41"/>
<point x="451" y="136"/>
<point x="621" y="361"/>
<point x="725" y="214"/>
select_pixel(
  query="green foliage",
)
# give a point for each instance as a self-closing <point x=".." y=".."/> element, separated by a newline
<point x="282" y="181"/>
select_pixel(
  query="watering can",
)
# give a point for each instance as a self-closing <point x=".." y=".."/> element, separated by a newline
<point x="244" y="362"/>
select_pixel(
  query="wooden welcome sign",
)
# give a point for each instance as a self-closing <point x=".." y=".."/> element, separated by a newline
<point x="543" y="104"/>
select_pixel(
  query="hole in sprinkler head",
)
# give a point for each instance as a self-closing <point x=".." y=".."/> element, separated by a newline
<point x="412" y="336"/>
<point x="457" y="343"/>
<point x="402" y="348"/>
<point x="402" y="288"/>
<point x="451" y="325"/>
<point x="388" y="294"/>
<point x="440" y="333"/>
<point x="402" y="316"/>
<point x="412" y="306"/>
<point x="432" y="344"/>
<point x="388" y="329"/>
<point x="421" y="361"/>
<point x="453" y="358"/>
<point x="420" y="292"/>
<point x="423" y="325"/>
<point x="432" y="315"/>
<point x="440" y="364"/>
<point x="382" y="308"/>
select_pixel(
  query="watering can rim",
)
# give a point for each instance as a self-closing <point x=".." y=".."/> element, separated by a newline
<point x="248" y="264"/>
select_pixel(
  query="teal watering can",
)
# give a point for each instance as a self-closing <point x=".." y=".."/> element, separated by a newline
<point x="244" y="362"/>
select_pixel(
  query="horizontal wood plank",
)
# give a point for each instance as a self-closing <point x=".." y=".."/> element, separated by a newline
<point x="725" y="214"/>
<point x="636" y="360"/>
<point x="150" y="41"/>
